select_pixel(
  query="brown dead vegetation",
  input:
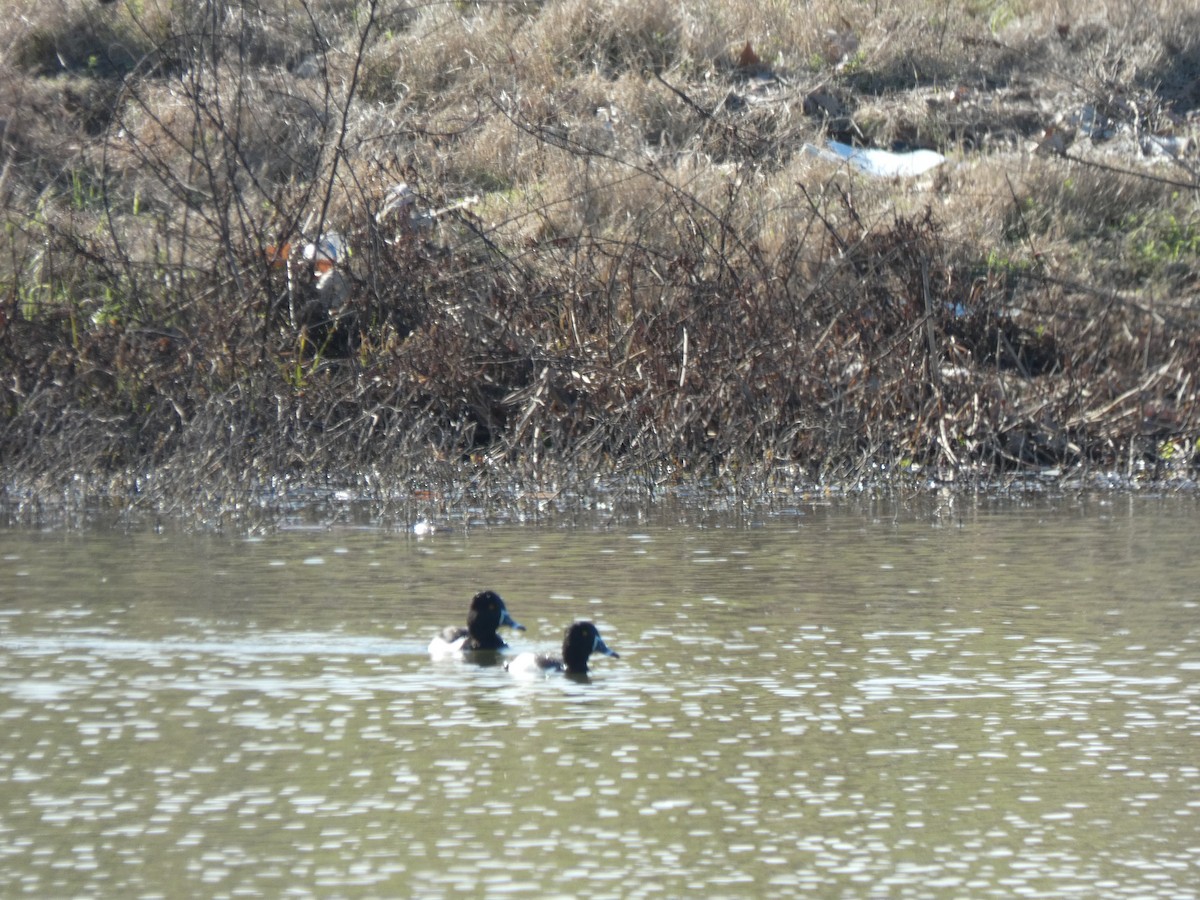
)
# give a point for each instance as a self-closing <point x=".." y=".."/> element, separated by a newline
<point x="656" y="278"/>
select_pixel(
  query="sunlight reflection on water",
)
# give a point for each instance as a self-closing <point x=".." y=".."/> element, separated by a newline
<point x="877" y="711"/>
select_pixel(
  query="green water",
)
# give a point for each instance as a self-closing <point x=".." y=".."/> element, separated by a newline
<point x="988" y="701"/>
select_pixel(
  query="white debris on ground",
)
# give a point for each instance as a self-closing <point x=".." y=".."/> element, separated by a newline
<point x="879" y="163"/>
<point x="1085" y="127"/>
<point x="321" y="286"/>
<point x="324" y="253"/>
<point x="400" y="204"/>
<point x="332" y="289"/>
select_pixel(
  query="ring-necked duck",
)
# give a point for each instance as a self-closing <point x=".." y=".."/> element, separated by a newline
<point x="580" y="641"/>
<point x="487" y="613"/>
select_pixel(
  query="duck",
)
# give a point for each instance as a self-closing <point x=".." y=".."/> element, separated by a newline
<point x="486" y="613"/>
<point x="580" y="641"/>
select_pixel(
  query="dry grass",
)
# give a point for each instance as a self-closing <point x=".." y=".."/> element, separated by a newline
<point x="656" y="276"/>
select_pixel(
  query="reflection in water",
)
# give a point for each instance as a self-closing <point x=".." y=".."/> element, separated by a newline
<point x="835" y="704"/>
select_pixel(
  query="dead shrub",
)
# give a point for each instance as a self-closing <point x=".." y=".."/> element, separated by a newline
<point x="620" y="256"/>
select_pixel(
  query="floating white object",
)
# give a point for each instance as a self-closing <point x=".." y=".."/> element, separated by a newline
<point x="424" y="527"/>
<point x="880" y="163"/>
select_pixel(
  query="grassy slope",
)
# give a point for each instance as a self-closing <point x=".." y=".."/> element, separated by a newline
<point x="655" y="277"/>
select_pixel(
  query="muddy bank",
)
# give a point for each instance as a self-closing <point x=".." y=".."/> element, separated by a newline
<point x="244" y="282"/>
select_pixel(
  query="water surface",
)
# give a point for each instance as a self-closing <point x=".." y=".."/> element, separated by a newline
<point x="989" y="701"/>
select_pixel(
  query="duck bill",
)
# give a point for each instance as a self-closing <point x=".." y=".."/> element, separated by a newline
<point x="506" y="619"/>
<point x="602" y="647"/>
